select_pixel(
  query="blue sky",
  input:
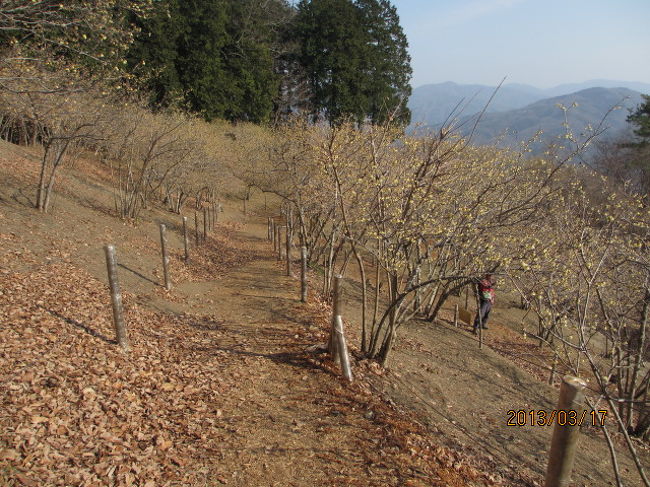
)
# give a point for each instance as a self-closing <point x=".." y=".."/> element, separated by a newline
<point x="538" y="42"/>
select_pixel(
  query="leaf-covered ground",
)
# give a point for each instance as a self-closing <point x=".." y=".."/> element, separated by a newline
<point x="217" y="389"/>
<point x="198" y="400"/>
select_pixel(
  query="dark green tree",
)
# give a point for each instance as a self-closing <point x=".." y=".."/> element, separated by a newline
<point x="388" y="62"/>
<point x="200" y="63"/>
<point x="627" y="160"/>
<point x="154" y="55"/>
<point x="213" y="57"/>
<point x="251" y="56"/>
<point x="640" y="118"/>
<point x="353" y="55"/>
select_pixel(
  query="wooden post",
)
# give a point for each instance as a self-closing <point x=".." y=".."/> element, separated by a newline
<point x="275" y="239"/>
<point x="455" y="316"/>
<point x="185" y="243"/>
<point x="337" y="305"/>
<point x="165" y="257"/>
<point x="551" y="377"/>
<point x="467" y="298"/>
<point x="209" y="213"/>
<point x="417" y="304"/>
<point x="324" y="275"/>
<point x="279" y="239"/>
<point x="214" y="215"/>
<point x="336" y="311"/>
<point x="273" y="233"/>
<point x="205" y="225"/>
<point x="565" y="437"/>
<point x="342" y="348"/>
<point x="480" y="318"/>
<point x="196" y="228"/>
<point x="116" y="297"/>
<point x="268" y="229"/>
<point x="288" y="249"/>
<point x="303" y="274"/>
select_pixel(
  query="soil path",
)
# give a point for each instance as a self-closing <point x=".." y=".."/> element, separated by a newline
<point x="292" y="420"/>
<point x="233" y="327"/>
<point x="217" y="388"/>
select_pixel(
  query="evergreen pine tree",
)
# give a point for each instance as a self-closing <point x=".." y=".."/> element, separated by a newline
<point x="388" y="62"/>
<point x="154" y="54"/>
<point x="213" y="57"/>
<point x="354" y="57"/>
<point x="641" y="119"/>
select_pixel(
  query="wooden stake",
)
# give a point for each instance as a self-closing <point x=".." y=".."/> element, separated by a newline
<point x="342" y="348"/>
<point x="196" y="228"/>
<point x="185" y="243"/>
<point x="205" y="225"/>
<point x="275" y="239"/>
<point x="480" y="318"/>
<point x="324" y="275"/>
<point x="336" y="311"/>
<point x="417" y="304"/>
<point x="551" y="377"/>
<point x="337" y="304"/>
<point x="165" y="257"/>
<point x="455" y="316"/>
<point x="288" y="249"/>
<point x="565" y="437"/>
<point x="303" y="274"/>
<point x="116" y="297"/>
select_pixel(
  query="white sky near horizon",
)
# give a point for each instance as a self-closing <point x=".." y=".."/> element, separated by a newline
<point x="542" y="43"/>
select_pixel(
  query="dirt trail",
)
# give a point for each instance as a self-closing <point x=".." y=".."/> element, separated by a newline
<point x="217" y="388"/>
<point x="293" y="420"/>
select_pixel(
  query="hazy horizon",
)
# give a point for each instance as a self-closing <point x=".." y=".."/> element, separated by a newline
<point x="507" y="82"/>
<point x="542" y="44"/>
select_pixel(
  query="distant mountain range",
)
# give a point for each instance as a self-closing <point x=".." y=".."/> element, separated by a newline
<point x="518" y="111"/>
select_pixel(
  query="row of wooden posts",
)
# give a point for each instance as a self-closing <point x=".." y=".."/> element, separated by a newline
<point x="564" y="440"/>
<point x="336" y="344"/>
<point x="209" y="223"/>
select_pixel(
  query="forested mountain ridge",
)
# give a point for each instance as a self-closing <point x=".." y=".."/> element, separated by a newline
<point x="586" y="108"/>
<point x="510" y="127"/>
<point x="432" y="104"/>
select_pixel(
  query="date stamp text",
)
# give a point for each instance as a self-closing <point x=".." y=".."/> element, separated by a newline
<point x="569" y="417"/>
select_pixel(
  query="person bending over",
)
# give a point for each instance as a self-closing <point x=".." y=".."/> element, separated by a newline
<point x="486" y="300"/>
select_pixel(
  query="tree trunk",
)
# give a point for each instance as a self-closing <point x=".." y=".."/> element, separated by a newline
<point x="50" y="183"/>
<point x="40" y="192"/>
<point x="389" y="337"/>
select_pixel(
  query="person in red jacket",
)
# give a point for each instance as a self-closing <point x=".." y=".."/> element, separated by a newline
<point x="486" y="300"/>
